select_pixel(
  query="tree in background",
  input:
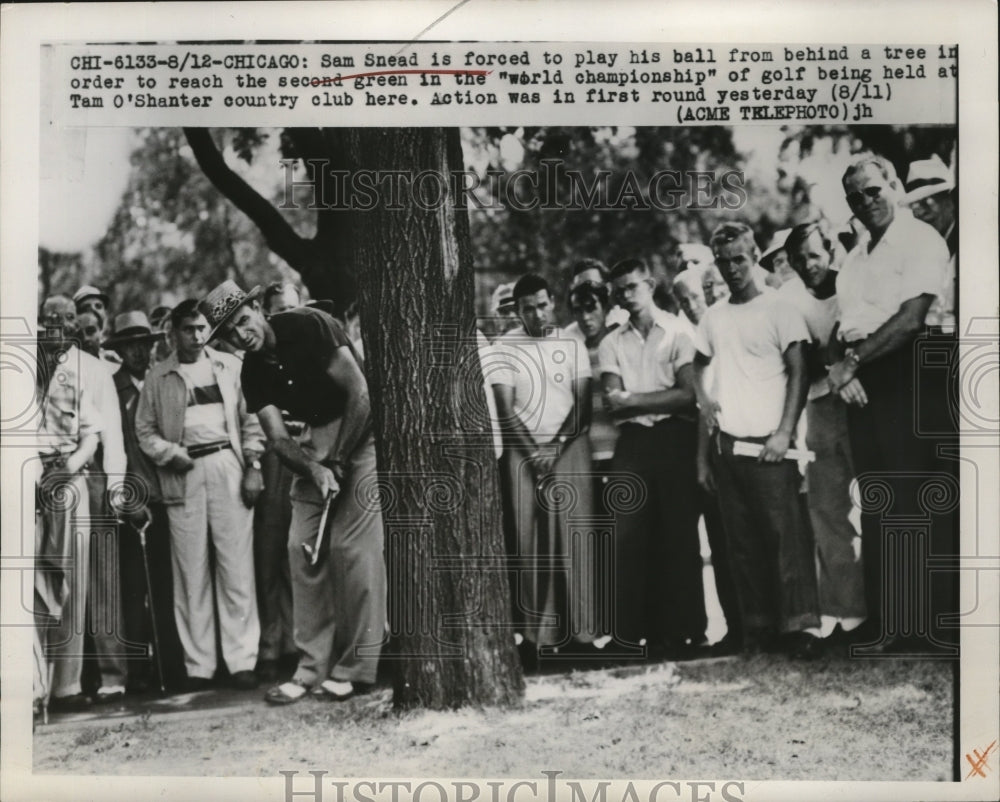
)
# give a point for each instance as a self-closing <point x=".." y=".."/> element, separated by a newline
<point x="173" y="236"/>
<point x="795" y="176"/>
<point x="509" y="242"/>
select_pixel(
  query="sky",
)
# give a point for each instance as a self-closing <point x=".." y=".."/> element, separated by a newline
<point x="83" y="174"/>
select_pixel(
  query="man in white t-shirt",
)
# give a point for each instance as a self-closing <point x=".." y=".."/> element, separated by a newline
<point x="541" y="383"/>
<point x="812" y="252"/>
<point x="756" y="342"/>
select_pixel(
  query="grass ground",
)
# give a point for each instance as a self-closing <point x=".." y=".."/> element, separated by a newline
<point x="755" y="718"/>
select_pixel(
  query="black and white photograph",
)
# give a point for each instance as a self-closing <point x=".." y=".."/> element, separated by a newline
<point x="625" y="430"/>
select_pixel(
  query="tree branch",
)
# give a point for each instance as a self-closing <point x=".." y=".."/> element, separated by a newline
<point x="279" y="235"/>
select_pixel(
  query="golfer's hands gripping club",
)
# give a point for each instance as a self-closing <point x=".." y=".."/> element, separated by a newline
<point x="324" y="480"/>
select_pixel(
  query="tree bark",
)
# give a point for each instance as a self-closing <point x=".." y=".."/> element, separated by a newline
<point x="449" y="601"/>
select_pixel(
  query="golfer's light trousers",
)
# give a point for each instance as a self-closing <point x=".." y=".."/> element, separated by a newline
<point x="339" y="604"/>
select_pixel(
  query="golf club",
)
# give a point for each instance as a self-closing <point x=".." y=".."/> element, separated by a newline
<point x="312" y="550"/>
<point x="152" y="610"/>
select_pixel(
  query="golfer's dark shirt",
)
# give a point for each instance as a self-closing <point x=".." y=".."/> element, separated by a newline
<point x="298" y="383"/>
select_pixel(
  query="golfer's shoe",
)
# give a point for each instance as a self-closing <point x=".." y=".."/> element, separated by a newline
<point x="332" y="690"/>
<point x="107" y="694"/>
<point x="286" y="693"/>
<point x="73" y="703"/>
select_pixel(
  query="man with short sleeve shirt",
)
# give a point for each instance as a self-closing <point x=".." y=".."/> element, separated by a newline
<point x="646" y="373"/>
<point x="302" y="362"/>
<point x="841" y="578"/>
<point x="68" y="436"/>
<point x="756" y="343"/>
<point x="885" y="288"/>
<point x="542" y="391"/>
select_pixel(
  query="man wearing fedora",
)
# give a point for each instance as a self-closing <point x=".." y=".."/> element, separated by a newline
<point x="302" y="362"/>
<point x="133" y="339"/>
<point x="192" y="421"/>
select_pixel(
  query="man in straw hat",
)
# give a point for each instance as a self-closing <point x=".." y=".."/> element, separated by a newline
<point x="133" y="339"/>
<point x="930" y="194"/>
<point x="193" y="422"/>
<point x="302" y="362"/>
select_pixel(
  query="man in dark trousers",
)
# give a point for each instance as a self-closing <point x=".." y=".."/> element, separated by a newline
<point x="302" y="362"/>
<point x="646" y="374"/>
<point x="886" y="288"/>
<point x="756" y="341"/>
<point x="133" y="339"/>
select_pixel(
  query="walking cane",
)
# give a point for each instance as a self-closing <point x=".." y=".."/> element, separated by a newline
<point x="312" y="550"/>
<point x="152" y="608"/>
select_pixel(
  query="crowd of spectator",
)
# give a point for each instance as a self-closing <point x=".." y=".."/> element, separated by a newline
<point x="196" y="515"/>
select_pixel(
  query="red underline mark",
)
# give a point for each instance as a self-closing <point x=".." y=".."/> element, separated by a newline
<point x="341" y="78"/>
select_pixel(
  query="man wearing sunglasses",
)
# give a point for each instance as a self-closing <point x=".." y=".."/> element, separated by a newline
<point x="885" y="289"/>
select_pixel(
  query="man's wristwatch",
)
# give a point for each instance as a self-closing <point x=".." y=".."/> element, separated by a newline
<point x="850" y="355"/>
<point x="255" y="464"/>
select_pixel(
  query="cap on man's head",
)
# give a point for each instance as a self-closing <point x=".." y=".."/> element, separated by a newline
<point x="927" y="177"/>
<point x="222" y="303"/>
<point x="691" y="279"/>
<point x="777" y="244"/>
<point x="502" y="299"/>
<point x="695" y="253"/>
<point x="158" y="315"/>
<point x="89" y="291"/>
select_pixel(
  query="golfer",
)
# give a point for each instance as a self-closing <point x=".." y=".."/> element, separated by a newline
<point x="302" y="361"/>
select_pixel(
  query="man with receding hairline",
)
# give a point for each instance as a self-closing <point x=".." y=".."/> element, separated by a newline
<point x="885" y="289"/>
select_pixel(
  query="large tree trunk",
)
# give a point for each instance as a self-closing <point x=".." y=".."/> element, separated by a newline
<point x="449" y="602"/>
